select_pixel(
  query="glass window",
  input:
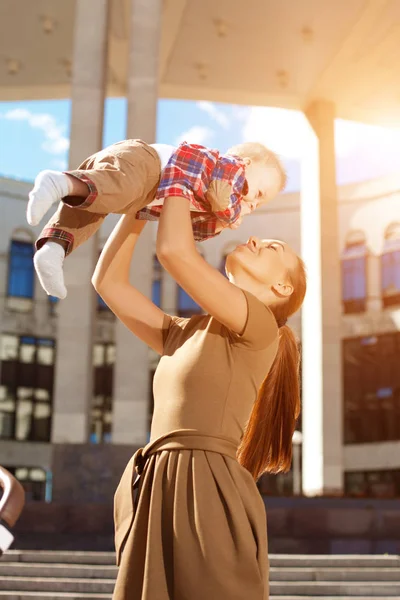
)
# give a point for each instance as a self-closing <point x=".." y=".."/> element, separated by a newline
<point x="371" y="389"/>
<point x="187" y="307"/>
<point x="26" y="387"/>
<point x="27" y="353"/>
<point x="373" y="484"/>
<point x="156" y="282"/>
<point x="354" y="277"/>
<point x="390" y="266"/>
<point x="34" y="481"/>
<point x="9" y="347"/>
<point x="20" y="270"/>
<point x="103" y="375"/>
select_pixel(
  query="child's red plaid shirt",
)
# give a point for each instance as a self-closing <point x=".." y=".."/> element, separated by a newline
<point x="188" y="174"/>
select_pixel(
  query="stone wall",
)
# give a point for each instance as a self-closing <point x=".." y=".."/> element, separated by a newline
<point x="295" y="526"/>
<point x="87" y="473"/>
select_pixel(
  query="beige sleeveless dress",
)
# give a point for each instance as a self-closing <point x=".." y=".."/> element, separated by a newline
<point x="195" y="528"/>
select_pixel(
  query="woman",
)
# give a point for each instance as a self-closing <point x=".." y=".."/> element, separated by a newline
<point x="197" y="527"/>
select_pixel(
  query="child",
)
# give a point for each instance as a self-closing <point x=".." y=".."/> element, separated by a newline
<point x="132" y="176"/>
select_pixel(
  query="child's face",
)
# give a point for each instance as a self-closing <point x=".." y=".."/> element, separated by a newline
<point x="264" y="183"/>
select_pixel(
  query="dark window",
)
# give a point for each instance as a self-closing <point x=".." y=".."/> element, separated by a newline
<point x="35" y="481"/>
<point x="371" y="389"/>
<point x="354" y="277"/>
<point x="187" y="307"/>
<point x="156" y="282"/>
<point x="373" y="484"/>
<point x="102" y="307"/>
<point x="390" y="267"/>
<point x="53" y="303"/>
<point x="26" y="387"/>
<point x="20" y="270"/>
<point x="103" y="379"/>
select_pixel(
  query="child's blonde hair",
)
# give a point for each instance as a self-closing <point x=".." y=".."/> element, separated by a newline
<point x="260" y="153"/>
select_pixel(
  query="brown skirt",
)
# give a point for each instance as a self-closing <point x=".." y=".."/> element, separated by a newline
<point x="197" y="528"/>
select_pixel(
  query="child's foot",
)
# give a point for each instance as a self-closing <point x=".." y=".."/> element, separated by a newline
<point x="50" y="187"/>
<point x="48" y="263"/>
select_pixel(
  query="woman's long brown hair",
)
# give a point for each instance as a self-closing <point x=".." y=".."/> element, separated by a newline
<point x="266" y="445"/>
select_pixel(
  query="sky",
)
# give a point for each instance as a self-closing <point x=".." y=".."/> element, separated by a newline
<point x="34" y="136"/>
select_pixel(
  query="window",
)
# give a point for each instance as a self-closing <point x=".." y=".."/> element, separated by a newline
<point x="103" y="377"/>
<point x="187" y="307"/>
<point x="371" y="389"/>
<point x="26" y="387"/>
<point x="53" y="303"/>
<point x="20" y="285"/>
<point x="156" y="282"/>
<point x="101" y="307"/>
<point x="35" y="481"/>
<point x="390" y="266"/>
<point x="372" y="484"/>
<point x="354" y="274"/>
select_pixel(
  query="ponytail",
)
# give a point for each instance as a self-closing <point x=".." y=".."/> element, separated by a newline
<point x="267" y="442"/>
<point x="266" y="445"/>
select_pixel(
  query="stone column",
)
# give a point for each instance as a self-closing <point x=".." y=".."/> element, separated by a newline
<point x="169" y="294"/>
<point x="131" y="388"/>
<point x="73" y="387"/>
<point x="321" y="315"/>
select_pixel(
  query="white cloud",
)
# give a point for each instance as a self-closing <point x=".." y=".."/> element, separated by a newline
<point x="59" y="164"/>
<point x="285" y="132"/>
<point x="196" y="135"/>
<point x="215" y="113"/>
<point x="55" y="141"/>
<point x="280" y="130"/>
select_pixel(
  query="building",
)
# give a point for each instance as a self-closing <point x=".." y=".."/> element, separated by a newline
<point x="337" y="62"/>
<point x="34" y="422"/>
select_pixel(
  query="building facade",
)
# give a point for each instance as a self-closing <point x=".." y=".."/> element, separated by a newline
<point x="39" y="420"/>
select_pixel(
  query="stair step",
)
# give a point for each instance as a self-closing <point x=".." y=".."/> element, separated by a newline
<point x="100" y="572"/>
<point x="80" y="571"/>
<point x="353" y="589"/>
<point x="77" y="596"/>
<point x="276" y="560"/>
<point x="67" y="557"/>
<point x="18" y="595"/>
<point x="106" y="586"/>
<point x="56" y="584"/>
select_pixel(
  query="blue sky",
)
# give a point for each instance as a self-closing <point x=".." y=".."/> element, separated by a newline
<point x="34" y="136"/>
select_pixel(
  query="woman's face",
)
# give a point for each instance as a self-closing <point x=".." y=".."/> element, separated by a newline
<point x="267" y="262"/>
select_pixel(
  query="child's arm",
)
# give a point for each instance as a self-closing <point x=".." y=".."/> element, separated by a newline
<point x="177" y="253"/>
<point x="111" y="281"/>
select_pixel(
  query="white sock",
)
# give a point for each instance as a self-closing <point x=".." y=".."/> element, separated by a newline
<point x="48" y="263"/>
<point x="50" y="187"/>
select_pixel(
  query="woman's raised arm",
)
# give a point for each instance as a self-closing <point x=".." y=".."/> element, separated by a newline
<point x="176" y="251"/>
<point x="111" y="281"/>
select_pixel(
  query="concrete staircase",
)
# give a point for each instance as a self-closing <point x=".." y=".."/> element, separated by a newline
<point x="46" y="575"/>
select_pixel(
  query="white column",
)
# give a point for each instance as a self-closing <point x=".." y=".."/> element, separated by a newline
<point x="131" y="388"/>
<point x="74" y="377"/>
<point x="169" y="294"/>
<point x="321" y="315"/>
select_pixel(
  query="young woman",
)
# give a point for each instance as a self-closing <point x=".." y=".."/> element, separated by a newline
<point x="226" y="398"/>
